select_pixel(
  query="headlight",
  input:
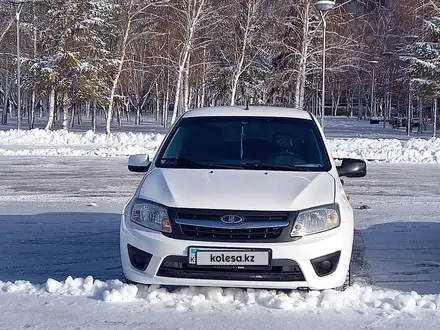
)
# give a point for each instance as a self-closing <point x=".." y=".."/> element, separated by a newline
<point x="316" y="221"/>
<point x="150" y="216"/>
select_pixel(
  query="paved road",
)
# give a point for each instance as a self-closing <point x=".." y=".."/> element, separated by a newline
<point x="47" y="228"/>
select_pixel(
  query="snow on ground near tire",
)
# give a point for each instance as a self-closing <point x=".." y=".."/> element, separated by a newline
<point x="184" y="299"/>
<point x="39" y="142"/>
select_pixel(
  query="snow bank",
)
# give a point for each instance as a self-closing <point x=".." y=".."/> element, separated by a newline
<point x="37" y="137"/>
<point x="39" y="142"/>
<point x="109" y="291"/>
<point x="388" y="150"/>
<point x="188" y="298"/>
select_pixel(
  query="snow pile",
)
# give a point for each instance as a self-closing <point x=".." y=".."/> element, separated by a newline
<point x="189" y="298"/>
<point x="388" y="150"/>
<point x="39" y="142"/>
<point x="357" y="297"/>
<point x="63" y="137"/>
<point x="83" y="152"/>
<point x="109" y="291"/>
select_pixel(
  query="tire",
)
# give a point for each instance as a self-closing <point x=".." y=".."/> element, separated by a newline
<point x="126" y="280"/>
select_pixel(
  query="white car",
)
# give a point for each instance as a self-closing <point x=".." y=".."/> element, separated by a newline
<point x="240" y="197"/>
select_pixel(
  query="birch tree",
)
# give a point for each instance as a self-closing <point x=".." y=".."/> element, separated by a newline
<point x="247" y="25"/>
<point x="192" y="19"/>
<point x="131" y="10"/>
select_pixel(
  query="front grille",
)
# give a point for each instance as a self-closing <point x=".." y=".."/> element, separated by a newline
<point x="231" y="234"/>
<point x="215" y="215"/>
<point x="281" y="271"/>
<point x="205" y="225"/>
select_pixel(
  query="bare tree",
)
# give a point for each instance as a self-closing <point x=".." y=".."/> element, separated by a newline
<point x="132" y="10"/>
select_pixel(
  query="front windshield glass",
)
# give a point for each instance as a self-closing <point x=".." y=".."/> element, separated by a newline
<point x="245" y="143"/>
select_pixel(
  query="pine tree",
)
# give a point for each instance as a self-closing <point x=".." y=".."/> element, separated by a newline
<point x="73" y="51"/>
<point x="425" y="61"/>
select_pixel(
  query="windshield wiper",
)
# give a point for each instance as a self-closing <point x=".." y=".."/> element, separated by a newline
<point x="185" y="161"/>
<point x="276" y="167"/>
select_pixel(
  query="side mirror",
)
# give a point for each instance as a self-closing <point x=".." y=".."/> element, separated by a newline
<point x="352" y="168"/>
<point x="139" y="163"/>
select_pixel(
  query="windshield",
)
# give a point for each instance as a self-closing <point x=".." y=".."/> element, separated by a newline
<point x="245" y="143"/>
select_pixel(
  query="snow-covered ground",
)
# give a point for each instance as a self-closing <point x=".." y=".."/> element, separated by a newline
<point x="59" y="217"/>
<point x="347" y="138"/>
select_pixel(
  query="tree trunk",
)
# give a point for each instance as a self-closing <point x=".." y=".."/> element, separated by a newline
<point x="51" y="110"/>
<point x="123" y="50"/>
<point x="65" y="110"/>
<point x="351" y="106"/>
<point x="186" y="96"/>
<point x="94" y="116"/>
<point x="41" y="114"/>
<point x="78" y="115"/>
<point x="301" y="77"/>
<point x="435" y="117"/>
<point x="420" y="106"/>
<point x="72" y="118"/>
<point x="57" y="109"/>
<point x="234" y="88"/>
<point x="202" y="97"/>
<point x="166" y="103"/>
<point x="194" y="17"/>
<point x="118" y="116"/>
<point x="138" y="114"/>
<point x="157" y="102"/>
<point x="241" y="57"/>
<point x="337" y="102"/>
<point x="177" y="98"/>
<point x="31" y="118"/>
<point x="6" y="105"/>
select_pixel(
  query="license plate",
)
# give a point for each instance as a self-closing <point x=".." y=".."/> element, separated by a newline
<point x="228" y="258"/>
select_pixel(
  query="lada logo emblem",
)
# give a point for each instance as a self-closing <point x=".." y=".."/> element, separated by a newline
<point x="231" y="219"/>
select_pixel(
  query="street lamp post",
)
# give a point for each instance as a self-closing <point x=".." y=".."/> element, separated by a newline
<point x="323" y="6"/>
<point x="18" y="5"/>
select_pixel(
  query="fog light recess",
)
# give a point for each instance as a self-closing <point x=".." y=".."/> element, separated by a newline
<point x="139" y="259"/>
<point x="326" y="265"/>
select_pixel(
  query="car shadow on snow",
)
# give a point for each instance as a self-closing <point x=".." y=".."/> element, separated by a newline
<point x="402" y="256"/>
<point x="56" y="245"/>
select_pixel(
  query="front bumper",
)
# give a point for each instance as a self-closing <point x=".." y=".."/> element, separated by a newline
<point x="293" y="256"/>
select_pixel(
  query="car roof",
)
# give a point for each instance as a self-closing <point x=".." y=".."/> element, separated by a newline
<point x="254" y="111"/>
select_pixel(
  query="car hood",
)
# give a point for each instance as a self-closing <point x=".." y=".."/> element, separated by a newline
<point x="238" y="189"/>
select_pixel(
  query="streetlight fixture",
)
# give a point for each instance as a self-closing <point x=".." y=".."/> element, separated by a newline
<point x="323" y="6"/>
<point x="18" y="6"/>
